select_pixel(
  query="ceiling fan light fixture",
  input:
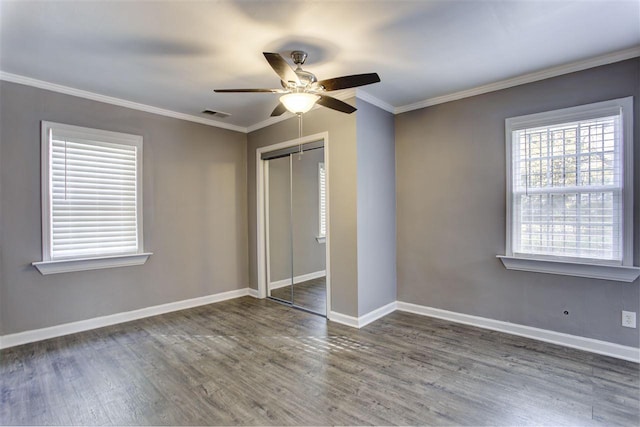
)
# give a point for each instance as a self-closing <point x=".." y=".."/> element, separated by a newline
<point x="299" y="102"/>
<point x="302" y="87"/>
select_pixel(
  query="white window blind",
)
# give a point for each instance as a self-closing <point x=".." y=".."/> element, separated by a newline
<point x="322" y="191"/>
<point x="94" y="200"/>
<point x="568" y="187"/>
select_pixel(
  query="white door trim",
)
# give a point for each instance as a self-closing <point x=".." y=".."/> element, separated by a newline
<point x="261" y="229"/>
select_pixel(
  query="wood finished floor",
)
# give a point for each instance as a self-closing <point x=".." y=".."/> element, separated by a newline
<point x="310" y="294"/>
<point x="256" y="362"/>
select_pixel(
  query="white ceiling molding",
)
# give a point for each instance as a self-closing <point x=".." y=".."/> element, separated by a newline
<point x="609" y="58"/>
<point x="422" y="50"/>
<point x="375" y="101"/>
<point x="342" y="95"/>
<point x="271" y="121"/>
<point x="28" y="81"/>
<point x="41" y="84"/>
<point x="572" y="67"/>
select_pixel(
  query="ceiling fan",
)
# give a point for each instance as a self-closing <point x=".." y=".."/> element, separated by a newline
<point x="301" y="89"/>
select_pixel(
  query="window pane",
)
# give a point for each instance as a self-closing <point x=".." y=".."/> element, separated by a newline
<point x="322" y="189"/>
<point x="579" y="225"/>
<point x="93" y="192"/>
<point x="568" y="194"/>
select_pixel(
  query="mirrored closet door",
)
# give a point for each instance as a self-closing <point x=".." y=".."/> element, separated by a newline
<point x="296" y="226"/>
<point x="278" y="200"/>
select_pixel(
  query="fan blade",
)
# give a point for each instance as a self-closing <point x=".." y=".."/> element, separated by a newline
<point x="278" y="110"/>
<point x="335" y="104"/>
<point x="282" y="68"/>
<point x="249" y="90"/>
<point x="345" y="82"/>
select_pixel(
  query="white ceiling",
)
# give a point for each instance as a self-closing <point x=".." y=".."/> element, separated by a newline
<point x="172" y="54"/>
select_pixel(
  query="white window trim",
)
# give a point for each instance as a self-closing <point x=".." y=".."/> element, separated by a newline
<point x="625" y="272"/>
<point x="51" y="266"/>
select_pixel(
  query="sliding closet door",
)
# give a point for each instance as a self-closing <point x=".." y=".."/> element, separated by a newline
<point x="309" y="277"/>
<point x="278" y="220"/>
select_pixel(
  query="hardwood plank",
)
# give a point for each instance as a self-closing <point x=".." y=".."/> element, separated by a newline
<point x="310" y="294"/>
<point x="256" y="362"/>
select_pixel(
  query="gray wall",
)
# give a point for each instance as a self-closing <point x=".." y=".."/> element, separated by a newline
<point x="308" y="254"/>
<point x="376" y="208"/>
<point x="450" y="162"/>
<point x="342" y="197"/>
<point x="195" y="219"/>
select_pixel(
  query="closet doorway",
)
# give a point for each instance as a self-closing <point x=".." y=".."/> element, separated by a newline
<point x="295" y="221"/>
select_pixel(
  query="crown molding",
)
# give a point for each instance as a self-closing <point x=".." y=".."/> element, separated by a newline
<point x="342" y="95"/>
<point x="271" y="121"/>
<point x="41" y="84"/>
<point x="365" y="96"/>
<point x="572" y="67"/>
<point x="361" y="94"/>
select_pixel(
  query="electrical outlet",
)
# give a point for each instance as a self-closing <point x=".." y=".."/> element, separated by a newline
<point x="629" y="319"/>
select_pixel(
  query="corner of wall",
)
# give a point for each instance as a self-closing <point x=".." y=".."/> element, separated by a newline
<point x="376" y="215"/>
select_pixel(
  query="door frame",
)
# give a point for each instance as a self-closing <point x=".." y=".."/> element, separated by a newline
<point x="261" y="211"/>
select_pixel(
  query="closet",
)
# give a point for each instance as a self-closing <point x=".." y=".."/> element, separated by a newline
<point x="295" y="220"/>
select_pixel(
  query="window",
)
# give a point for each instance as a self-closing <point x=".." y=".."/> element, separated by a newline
<point x="322" y="196"/>
<point x="570" y="196"/>
<point x="91" y="199"/>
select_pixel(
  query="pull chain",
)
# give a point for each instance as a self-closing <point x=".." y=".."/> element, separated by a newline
<point x="300" y="135"/>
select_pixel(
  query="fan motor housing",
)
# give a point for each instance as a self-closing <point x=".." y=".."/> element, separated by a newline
<point x="306" y="78"/>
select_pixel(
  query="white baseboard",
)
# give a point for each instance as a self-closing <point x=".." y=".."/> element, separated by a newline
<point x="573" y="341"/>
<point x="376" y="314"/>
<point x="297" y="279"/>
<point x="364" y="320"/>
<point x="25" y="337"/>
<point x="343" y="319"/>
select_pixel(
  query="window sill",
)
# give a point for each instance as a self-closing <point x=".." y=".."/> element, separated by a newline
<point x="321" y="239"/>
<point x="66" y="266"/>
<point x="594" y="271"/>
